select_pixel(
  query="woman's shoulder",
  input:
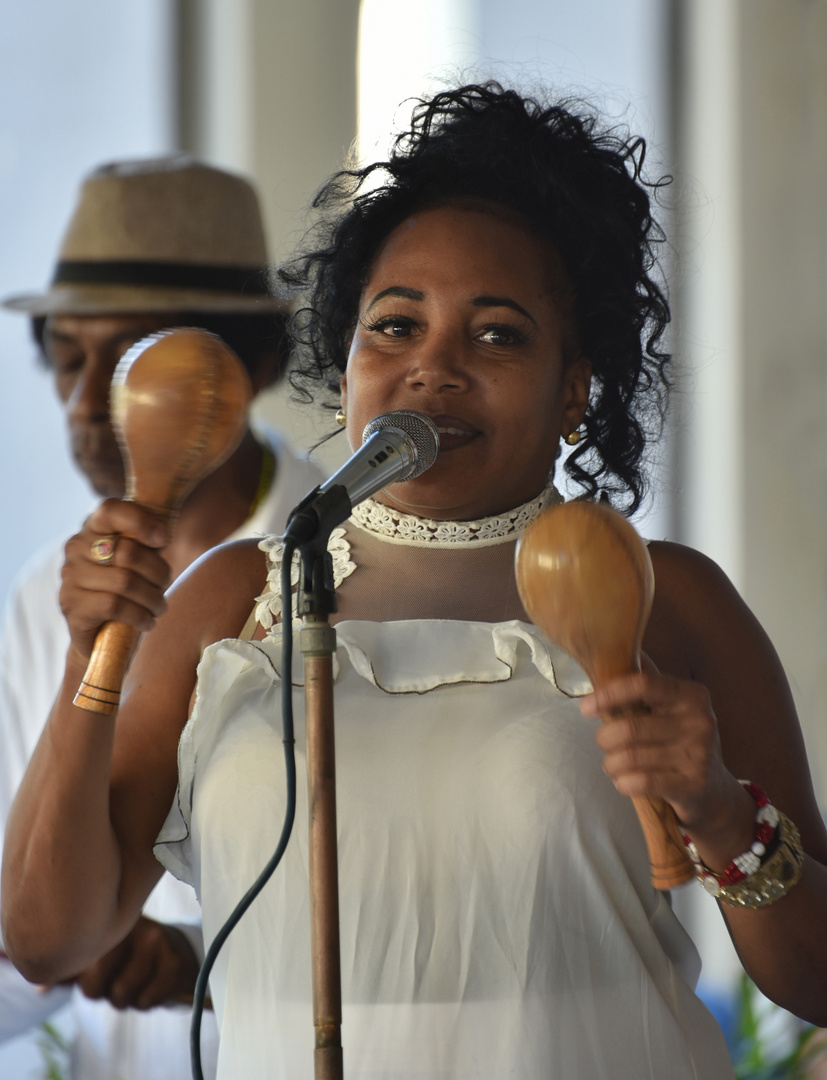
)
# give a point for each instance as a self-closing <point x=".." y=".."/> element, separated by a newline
<point x="217" y="592"/>
<point x="684" y="574"/>
<point x="241" y="558"/>
<point x="698" y="616"/>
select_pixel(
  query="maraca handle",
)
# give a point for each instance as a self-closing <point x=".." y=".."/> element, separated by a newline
<point x="100" y="691"/>
<point x="668" y="858"/>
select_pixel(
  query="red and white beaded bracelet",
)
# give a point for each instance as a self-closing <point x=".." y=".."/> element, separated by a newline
<point x="742" y="866"/>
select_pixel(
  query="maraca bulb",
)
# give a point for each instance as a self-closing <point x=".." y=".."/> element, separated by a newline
<point x="585" y="578"/>
<point x="179" y="407"/>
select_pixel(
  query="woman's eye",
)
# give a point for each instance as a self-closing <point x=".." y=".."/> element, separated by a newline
<point x="501" y="335"/>
<point x="392" y="326"/>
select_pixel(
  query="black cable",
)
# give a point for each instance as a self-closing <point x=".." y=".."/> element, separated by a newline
<point x="289" y="811"/>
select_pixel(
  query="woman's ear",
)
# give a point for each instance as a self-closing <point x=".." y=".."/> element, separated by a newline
<point x="343" y="391"/>
<point x="577" y="381"/>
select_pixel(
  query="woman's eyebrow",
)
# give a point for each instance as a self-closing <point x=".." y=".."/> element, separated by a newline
<point x="501" y="301"/>
<point x="397" y="290"/>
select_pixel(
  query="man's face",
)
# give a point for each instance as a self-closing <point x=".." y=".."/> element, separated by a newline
<point x="82" y="351"/>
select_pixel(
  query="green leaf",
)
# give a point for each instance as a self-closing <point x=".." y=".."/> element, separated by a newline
<point x="756" y="1055"/>
<point x="54" y="1049"/>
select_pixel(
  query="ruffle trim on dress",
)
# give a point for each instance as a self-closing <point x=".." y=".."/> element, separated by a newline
<point x="412" y="658"/>
<point x="409" y="656"/>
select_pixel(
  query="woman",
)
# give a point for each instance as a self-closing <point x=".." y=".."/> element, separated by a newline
<point x="497" y="914"/>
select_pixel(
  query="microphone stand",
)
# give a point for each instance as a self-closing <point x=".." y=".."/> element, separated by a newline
<point x="316" y="600"/>
<point x="387" y="453"/>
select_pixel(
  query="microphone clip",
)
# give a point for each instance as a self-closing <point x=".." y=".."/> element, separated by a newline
<point x="318" y="514"/>
<point x="309" y="527"/>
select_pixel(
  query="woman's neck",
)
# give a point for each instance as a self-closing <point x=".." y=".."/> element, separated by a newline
<point x="397" y="526"/>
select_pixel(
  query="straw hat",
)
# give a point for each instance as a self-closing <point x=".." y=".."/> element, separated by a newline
<point x="170" y="234"/>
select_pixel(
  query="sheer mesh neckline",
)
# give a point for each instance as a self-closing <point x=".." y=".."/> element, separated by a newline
<point x="389" y="566"/>
<point x="398" y="528"/>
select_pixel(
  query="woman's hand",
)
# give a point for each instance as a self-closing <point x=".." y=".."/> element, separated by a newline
<point x="128" y="588"/>
<point x="661" y="740"/>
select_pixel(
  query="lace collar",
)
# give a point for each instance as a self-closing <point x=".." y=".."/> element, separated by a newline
<point x="399" y="528"/>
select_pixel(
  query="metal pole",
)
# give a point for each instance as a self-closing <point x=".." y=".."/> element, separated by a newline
<point x="318" y="643"/>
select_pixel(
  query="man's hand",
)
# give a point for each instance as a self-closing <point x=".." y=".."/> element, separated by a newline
<point x="154" y="965"/>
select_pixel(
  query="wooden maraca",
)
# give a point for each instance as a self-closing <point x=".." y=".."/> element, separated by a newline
<point x="179" y="402"/>
<point x="585" y="578"/>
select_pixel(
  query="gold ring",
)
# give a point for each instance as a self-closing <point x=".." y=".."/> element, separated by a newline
<point x="103" y="549"/>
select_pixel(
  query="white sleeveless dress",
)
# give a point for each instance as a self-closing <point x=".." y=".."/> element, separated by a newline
<point x="497" y="918"/>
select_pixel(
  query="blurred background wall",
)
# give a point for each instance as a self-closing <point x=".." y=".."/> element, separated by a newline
<point x="732" y="95"/>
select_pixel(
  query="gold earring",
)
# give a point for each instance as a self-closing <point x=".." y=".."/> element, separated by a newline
<point x="341" y="419"/>
<point x="573" y="437"/>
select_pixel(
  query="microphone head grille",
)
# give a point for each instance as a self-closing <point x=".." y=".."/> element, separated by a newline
<point x="422" y="435"/>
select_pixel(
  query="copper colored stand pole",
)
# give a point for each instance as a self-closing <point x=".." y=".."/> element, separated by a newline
<point x="318" y="643"/>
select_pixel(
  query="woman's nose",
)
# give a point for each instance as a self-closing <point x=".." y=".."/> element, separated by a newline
<point x="439" y="368"/>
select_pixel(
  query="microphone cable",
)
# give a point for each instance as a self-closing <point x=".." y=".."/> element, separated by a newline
<point x="289" y="742"/>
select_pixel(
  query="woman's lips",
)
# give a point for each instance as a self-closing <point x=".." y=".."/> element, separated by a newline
<point x="454" y="432"/>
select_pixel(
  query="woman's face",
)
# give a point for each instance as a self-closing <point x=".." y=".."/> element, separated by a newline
<point x="463" y="318"/>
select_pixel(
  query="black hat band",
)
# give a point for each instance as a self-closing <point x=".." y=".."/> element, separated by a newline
<point x="234" y="279"/>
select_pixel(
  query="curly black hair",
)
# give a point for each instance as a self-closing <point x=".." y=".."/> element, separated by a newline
<point x="580" y="186"/>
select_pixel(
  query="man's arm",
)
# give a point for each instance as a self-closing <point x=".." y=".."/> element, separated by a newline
<point x="33" y="641"/>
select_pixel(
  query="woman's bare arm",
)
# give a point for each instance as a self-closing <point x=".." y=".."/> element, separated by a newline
<point x="721" y="710"/>
<point x="78" y="861"/>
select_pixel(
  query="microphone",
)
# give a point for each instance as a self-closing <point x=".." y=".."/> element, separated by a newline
<point x="396" y="446"/>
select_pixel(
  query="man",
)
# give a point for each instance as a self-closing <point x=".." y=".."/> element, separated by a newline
<point x="150" y="245"/>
